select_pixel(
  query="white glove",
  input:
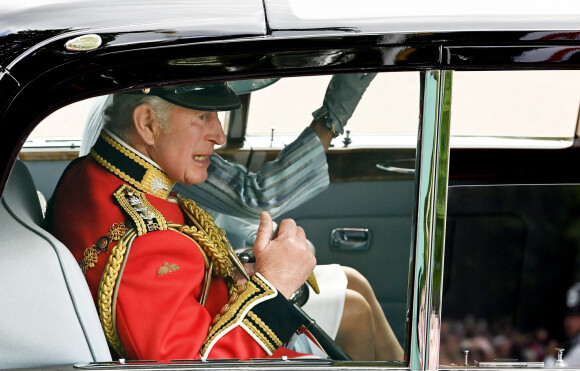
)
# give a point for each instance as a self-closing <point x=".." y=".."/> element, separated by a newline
<point x="342" y="96"/>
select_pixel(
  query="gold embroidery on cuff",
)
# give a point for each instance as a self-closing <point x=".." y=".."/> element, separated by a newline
<point x="260" y="335"/>
<point x="263" y="328"/>
<point x="254" y="290"/>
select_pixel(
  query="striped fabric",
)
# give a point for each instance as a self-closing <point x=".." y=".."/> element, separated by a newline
<point x="298" y="173"/>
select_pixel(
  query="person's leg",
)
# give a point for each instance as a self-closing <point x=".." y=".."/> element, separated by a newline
<point x="356" y="333"/>
<point x="386" y="345"/>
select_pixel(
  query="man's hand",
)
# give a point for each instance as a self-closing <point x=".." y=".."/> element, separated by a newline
<point x="286" y="260"/>
<point x="342" y="95"/>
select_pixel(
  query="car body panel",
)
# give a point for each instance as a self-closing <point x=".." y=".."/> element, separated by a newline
<point x="420" y="16"/>
<point x="41" y="21"/>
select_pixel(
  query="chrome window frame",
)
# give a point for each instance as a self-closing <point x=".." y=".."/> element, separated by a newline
<point x="431" y="188"/>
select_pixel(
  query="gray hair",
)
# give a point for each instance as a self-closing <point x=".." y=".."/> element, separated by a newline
<point x="118" y="115"/>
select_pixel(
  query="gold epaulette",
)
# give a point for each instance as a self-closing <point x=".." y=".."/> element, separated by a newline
<point x="145" y="216"/>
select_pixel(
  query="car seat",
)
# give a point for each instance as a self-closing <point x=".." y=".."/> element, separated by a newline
<point x="47" y="314"/>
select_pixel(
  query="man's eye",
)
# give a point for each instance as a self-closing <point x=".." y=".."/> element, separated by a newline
<point x="203" y="117"/>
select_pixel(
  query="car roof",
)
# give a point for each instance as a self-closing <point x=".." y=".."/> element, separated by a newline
<point x="254" y="17"/>
<point x="424" y="15"/>
<point x="33" y="23"/>
<point x="418" y="15"/>
<point x="213" y="18"/>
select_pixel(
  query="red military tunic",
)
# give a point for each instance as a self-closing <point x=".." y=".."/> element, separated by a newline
<point x="153" y="307"/>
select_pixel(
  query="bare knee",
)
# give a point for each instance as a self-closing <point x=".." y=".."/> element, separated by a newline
<point x="357" y="314"/>
<point x="356" y="333"/>
<point x="358" y="282"/>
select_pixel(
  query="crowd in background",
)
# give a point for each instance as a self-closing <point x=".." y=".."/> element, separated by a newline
<point x="493" y="341"/>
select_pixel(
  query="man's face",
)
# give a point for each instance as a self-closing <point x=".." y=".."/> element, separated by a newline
<point x="183" y="150"/>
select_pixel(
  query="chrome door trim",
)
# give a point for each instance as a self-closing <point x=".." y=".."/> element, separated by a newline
<point x="432" y="165"/>
<point x="350" y="239"/>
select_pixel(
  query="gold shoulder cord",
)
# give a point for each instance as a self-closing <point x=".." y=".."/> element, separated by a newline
<point x="204" y="232"/>
<point x="107" y="291"/>
<point x="213" y="241"/>
<point x="216" y="245"/>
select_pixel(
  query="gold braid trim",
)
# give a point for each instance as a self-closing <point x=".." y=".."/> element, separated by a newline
<point x="263" y="328"/>
<point x="260" y="330"/>
<point x="233" y="314"/>
<point x="146" y="218"/>
<point x="107" y="292"/>
<point x="204" y="231"/>
<point x="186" y="231"/>
<point x="107" y="165"/>
<point x="154" y="182"/>
<point x="125" y="151"/>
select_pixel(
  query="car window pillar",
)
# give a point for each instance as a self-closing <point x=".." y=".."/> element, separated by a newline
<point x="432" y="165"/>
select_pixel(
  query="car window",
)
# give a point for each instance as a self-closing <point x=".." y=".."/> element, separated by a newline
<point x="501" y="109"/>
<point x="371" y="177"/>
<point x="510" y="257"/>
<point x="489" y="109"/>
<point x="389" y="106"/>
<point x="362" y="217"/>
<point x="511" y="249"/>
<point x="514" y="105"/>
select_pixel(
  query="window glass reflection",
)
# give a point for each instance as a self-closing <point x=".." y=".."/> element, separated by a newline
<point x="511" y="254"/>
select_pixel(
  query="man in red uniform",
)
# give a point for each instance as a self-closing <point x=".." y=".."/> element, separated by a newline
<point x="159" y="269"/>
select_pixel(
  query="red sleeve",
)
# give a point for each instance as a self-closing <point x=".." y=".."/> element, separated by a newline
<point x="158" y="315"/>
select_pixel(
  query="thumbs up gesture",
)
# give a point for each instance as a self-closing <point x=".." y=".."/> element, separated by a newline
<point x="283" y="258"/>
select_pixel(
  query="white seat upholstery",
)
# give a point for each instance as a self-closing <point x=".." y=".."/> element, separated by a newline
<point x="47" y="315"/>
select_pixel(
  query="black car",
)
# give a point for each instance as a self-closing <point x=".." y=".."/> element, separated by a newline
<point x="453" y="190"/>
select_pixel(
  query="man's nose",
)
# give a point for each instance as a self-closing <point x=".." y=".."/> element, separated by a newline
<point x="217" y="134"/>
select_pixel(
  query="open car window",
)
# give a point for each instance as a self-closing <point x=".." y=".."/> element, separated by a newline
<point x="499" y="109"/>
<point x="390" y="105"/>
<point x="362" y="218"/>
<point x="371" y="192"/>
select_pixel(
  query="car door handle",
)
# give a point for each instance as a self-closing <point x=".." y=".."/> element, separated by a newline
<point x="390" y="166"/>
<point x="394" y="169"/>
<point x="350" y="239"/>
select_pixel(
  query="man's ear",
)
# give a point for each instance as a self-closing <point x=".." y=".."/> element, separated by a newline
<point x="144" y="123"/>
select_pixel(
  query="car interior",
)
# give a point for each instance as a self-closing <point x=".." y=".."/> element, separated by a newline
<point x="387" y="230"/>
<point x="49" y="315"/>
